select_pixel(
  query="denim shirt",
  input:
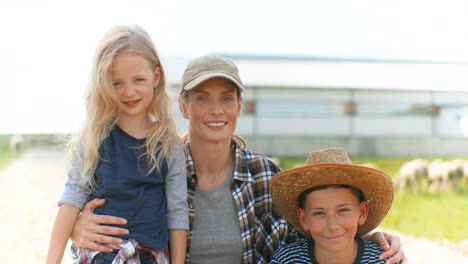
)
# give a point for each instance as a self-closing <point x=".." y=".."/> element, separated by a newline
<point x="121" y="180"/>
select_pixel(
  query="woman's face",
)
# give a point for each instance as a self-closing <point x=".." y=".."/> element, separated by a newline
<point x="212" y="110"/>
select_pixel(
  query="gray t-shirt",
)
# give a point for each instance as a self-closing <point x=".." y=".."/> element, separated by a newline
<point x="216" y="231"/>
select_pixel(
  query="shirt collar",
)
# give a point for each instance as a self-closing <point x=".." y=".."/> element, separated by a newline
<point x="241" y="169"/>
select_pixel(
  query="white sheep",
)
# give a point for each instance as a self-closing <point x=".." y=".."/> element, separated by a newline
<point x="445" y="176"/>
<point x="16" y="143"/>
<point x="455" y="175"/>
<point x="412" y="175"/>
<point x="436" y="173"/>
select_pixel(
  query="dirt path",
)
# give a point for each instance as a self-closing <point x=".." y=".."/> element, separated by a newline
<point x="31" y="186"/>
<point x="424" y="251"/>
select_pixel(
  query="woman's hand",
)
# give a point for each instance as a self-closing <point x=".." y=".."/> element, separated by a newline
<point x="89" y="231"/>
<point x="392" y="246"/>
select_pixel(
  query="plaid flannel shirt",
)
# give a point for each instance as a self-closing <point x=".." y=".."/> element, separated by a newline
<point x="128" y="252"/>
<point x="262" y="229"/>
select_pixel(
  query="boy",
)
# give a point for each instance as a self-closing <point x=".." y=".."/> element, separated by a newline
<point x="334" y="203"/>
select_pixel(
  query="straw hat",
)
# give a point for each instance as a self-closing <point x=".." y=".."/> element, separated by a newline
<point x="330" y="167"/>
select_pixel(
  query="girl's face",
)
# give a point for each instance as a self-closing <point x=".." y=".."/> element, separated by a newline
<point x="134" y="82"/>
<point x="212" y="110"/>
<point x="332" y="217"/>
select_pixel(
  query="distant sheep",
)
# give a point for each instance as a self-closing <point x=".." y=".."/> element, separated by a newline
<point x="16" y="143"/>
<point x="437" y="172"/>
<point x="456" y="174"/>
<point x="412" y="175"/>
<point x="464" y="181"/>
<point x="446" y="176"/>
<point x="434" y="176"/>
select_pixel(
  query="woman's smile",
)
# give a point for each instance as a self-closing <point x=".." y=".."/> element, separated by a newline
<point x="216" y="124"/>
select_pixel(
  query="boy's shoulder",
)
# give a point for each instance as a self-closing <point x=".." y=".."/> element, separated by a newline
<point x="297" y="252"/>
<point x="371" y="252"/>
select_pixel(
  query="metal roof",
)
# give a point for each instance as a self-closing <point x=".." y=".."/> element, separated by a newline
<point x="330" y="73"/>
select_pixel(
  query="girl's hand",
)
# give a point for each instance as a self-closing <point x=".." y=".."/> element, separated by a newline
<point x="89" y="232"/>
<point x="392" y="246"/>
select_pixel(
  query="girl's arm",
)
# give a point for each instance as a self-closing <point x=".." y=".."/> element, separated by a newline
<point x="177" y="208"/>
<point x="63" y="226"/>
<point x="178" y="243"/>
<point x="391" y="244"/>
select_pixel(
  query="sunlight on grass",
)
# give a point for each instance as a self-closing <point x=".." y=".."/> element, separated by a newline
<point x="434" y="216"/>
<point x="6" y="154"/>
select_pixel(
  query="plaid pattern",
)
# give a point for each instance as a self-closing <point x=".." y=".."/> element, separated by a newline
<point x="127" y="254"/>
<point x="262" y="229"/>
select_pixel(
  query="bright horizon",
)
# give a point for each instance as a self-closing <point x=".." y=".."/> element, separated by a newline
<point x="48" y="45"/>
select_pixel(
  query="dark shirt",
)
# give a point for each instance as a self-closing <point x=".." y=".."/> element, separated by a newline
<point x="121" y="179"/>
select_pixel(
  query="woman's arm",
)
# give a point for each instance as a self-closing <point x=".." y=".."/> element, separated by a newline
<point x="391" y="244"/>
<point x="66" y="217"/>
<point x="89" y="231"/>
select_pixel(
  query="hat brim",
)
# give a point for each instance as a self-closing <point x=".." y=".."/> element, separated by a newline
<point x="197" y="81"/>
<point x="376" y="186"/>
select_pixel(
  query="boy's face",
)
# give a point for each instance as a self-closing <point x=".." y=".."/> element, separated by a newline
<point x="332" y="217"/>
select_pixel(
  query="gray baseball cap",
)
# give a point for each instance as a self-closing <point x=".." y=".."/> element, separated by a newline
<point x="206" y="67"/>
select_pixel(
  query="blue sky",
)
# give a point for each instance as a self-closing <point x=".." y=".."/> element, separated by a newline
<point x="47" y="46"/>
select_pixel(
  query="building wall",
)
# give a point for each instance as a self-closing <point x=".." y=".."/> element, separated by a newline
<point x="378" y="146"/>
<point x="377" y="112"/>
<point x="383" y="122"/>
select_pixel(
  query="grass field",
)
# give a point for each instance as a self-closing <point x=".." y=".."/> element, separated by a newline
<point x="36" y="140"/>
<point x="6" y="154"/>
<point x="432" y="215"/>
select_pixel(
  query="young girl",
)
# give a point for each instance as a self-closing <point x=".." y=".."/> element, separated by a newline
<point x="128" y="154"/>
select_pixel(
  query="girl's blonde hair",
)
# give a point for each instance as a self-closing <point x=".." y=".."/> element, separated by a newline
<point x="241" y="142"/>
<point x="101" y="103"/>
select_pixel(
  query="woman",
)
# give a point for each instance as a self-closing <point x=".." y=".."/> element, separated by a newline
<point x="237" y="228"/>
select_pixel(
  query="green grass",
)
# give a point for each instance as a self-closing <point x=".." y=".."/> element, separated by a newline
<point x="388" y="165"/>
<point x="434" y="216"/>
<point x="31" y="140"/>
<point x="6" y="155"/>
<point x="431" y="215"/>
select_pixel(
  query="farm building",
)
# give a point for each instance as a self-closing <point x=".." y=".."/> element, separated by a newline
<point x="369" y="107"/>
